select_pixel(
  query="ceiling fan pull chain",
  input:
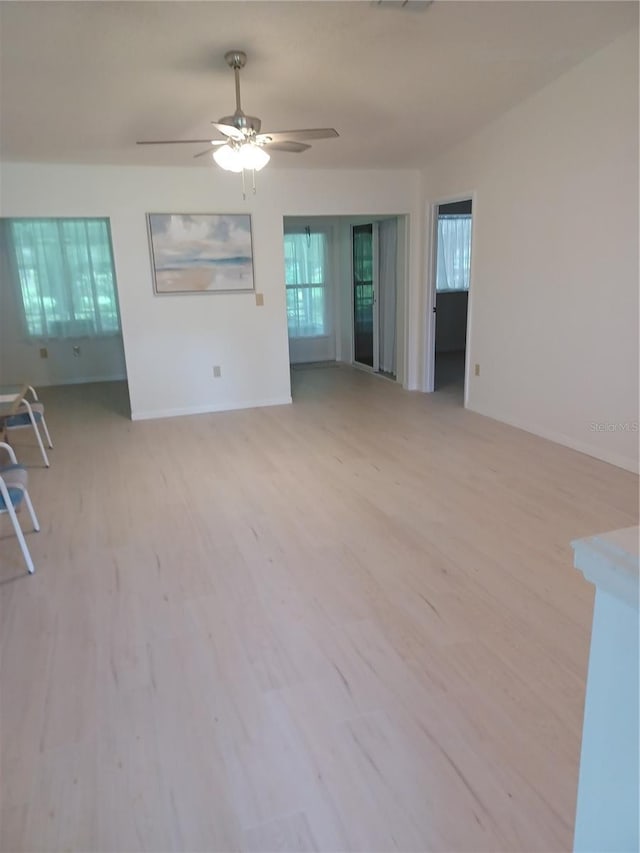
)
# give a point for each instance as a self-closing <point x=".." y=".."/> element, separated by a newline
<point x="253" y="178"/>
<point x="244" y="191"/>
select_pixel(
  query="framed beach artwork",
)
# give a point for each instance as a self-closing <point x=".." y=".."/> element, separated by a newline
<point x="201" y="252"/>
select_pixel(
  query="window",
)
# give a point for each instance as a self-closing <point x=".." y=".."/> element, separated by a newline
<point x="305" y="278"/>
<point x="454" y="252"/>
<point x="64" y="270"/>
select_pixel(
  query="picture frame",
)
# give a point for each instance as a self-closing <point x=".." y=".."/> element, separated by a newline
<point x="201" y="253"/>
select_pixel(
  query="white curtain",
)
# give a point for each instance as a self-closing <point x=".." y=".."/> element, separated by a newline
<point x="305" y="259"/>
<point x="454" y="252"/>
<point x="387" y="286"/>
<point x="63" y="271"/>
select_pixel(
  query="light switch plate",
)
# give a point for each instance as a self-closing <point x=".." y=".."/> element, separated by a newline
<point x="259" y="298"/>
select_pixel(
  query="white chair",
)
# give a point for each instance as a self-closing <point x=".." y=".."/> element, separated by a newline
<point x="13" y="491"/>
<point x="30" y="414"/>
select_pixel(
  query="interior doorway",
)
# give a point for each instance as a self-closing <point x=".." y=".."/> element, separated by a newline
<point x="451" y="279"/>
<point x="345" y="301"/>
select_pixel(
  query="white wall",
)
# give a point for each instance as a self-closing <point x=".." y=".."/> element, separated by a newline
<point x="172" y="342"/>
<point x="554" y="284"/>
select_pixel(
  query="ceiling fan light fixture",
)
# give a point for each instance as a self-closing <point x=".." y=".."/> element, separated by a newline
<point x="236" y="158"/>
<point x="228" y="158"/>
<point x="253" y="157"/>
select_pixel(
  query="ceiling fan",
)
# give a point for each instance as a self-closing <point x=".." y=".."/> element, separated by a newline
<point x="244" y="145"/>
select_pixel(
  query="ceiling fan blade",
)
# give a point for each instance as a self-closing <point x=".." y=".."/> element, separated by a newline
<point x="306" y="133"/>
<point x="174" y="142"/>
<point x="229" y="130"/>
<point x="286" y="145"/>
<point x="203" y="153"/>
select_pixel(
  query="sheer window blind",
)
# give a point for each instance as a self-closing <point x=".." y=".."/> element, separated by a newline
<point x="305" y="277"/>
<point x="454" y="253"/>
<point x="65" y="275"/>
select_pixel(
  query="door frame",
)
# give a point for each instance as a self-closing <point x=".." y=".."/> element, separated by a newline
<point x="431" y="261"/>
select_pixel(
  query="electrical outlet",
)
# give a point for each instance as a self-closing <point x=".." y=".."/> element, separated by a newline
<point x="259" y="298"/>
<point x="477" y="370"/>
<point x="44" y="352"/>
<point x="217" y="373"/>
<point x="76" y="351"/>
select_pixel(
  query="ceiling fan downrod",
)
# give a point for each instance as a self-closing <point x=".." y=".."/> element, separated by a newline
<point x="236" y="59"/>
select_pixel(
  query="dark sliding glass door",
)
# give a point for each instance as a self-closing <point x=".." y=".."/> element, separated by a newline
<point x="363" y="295"/>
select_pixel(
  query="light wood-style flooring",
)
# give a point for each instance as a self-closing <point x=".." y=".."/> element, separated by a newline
<point x="350" y="624"/>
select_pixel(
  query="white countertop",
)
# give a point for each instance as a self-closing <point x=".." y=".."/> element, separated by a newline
<point x="611" y="562"/>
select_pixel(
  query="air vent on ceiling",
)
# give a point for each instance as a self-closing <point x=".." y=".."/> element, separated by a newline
<point x="404" y="5"/>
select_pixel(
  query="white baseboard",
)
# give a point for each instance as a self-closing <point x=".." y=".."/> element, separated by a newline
<point x="625" y="462"/>
<point x="154" y="414"/>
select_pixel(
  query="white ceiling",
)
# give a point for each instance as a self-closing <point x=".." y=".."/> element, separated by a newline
<point x="82" y="81"/>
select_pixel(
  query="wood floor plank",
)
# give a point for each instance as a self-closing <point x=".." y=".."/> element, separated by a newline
<point x="290" y="834"/>
<point x="349" y="624"/>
